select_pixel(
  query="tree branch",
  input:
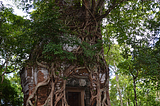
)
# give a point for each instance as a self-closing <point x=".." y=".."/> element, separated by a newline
<point x="3" y="74"/>
<point x="8" y="72"/>
<point x="92" y="16"/>
<point x="68" y="69"/>
<point x="4" y="63"/>
<point x="42" y="65"/>
<point x="99" y="4"/>
<point x="93" y="6"/>
<point x="109" y="10"/>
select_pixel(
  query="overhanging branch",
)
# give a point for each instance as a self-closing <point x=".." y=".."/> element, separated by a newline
<point x="4" y="63"/>
<point x="99" y="4"/>
<point x="8" y="72"/>
<point x="109" y="10"/>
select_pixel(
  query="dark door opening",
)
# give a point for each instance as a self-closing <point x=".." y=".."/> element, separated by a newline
<point x="74" y="98"/>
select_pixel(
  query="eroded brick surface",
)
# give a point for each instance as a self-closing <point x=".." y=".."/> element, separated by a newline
<point x="29" y="72"/>
<point x="40" y="77"/>
<point x="30" y="77"/>
<point x="42" y="95"/>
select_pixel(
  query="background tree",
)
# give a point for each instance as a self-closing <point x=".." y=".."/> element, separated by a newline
<point x="10" y="93"/>
<point x="133" y="41"/>
<point x="11" y="54"/>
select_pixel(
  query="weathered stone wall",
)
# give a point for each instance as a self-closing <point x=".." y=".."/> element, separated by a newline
<point x="30" y="77"/>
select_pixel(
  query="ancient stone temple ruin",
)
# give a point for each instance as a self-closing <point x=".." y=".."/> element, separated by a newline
<point x="76" y="91"/>
<point x="77" y="87"/>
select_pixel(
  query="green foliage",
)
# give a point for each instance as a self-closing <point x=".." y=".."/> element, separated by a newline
<point x="90" y="50"/>
<point x="12" y="54"/>
<point x="52" y="40"/>
<point x="131" y="25"/>
<point x="44" y="38"/>
<point x="11" y="94"/>
<point x="113" y="54"/>
<point x="146" y="92"/>
<point x="11" y="43"/>
<point x="128" y="23"/>
<point x="49" y="35"/>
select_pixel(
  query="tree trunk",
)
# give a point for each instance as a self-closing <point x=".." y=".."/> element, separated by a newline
<point x="127" y="103"/>
<point x="135" y="94"/>
<point x="118" y="89"/>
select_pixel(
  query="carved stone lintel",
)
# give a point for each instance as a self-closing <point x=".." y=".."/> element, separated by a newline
<point x="82" y="82"/>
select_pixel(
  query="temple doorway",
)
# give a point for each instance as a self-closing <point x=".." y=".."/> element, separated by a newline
<point x="75" y="96"/>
